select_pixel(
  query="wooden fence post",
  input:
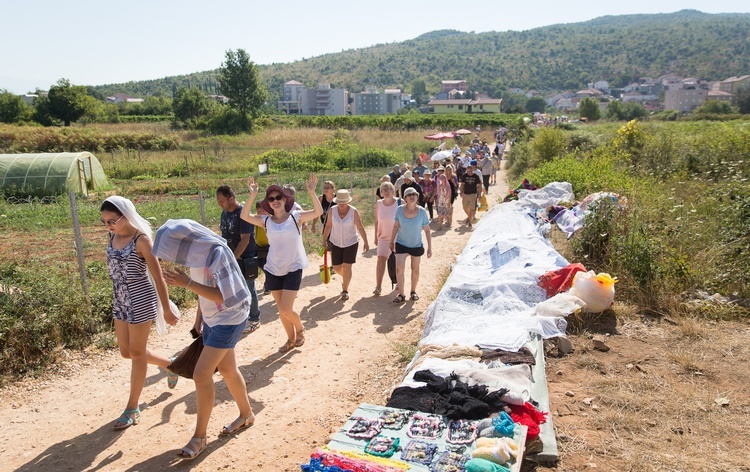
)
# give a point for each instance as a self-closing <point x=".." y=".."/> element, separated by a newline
<point x="203" y="207"/>
<point x="79" y="242"/>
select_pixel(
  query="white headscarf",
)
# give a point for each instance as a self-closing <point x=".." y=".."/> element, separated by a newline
<point x="127" y="209"/>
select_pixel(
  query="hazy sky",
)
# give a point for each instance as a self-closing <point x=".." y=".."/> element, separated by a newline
<point x="103" y="42"/>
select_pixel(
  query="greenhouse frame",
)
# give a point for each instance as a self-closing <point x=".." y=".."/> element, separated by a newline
<point x="51" y="173"/>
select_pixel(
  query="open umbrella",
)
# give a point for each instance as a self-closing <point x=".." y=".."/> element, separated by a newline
<point x="462" y="131"/>
<point x="434" y="137"/>
<point x="440" y="155"/>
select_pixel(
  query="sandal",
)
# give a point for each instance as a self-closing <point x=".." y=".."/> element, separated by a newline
<point x="414" y="296"/>
<point x="377" y="291"/>
<point x="344" y="295"/>
<point x="300" y="341"/>
<point x="125" y="420"/>
<point x="400" y="298"/>
<point x="251" y="327"/>
<point x="191" y="450"/>
<point x="172" y="378"/>
<point x="238" y="425"/>
<point x="288" y="346"/>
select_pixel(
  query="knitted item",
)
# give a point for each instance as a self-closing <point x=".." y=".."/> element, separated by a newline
<point x="419" y="451"/>
<point x="449" y="462"/>
<point x="481" y="465"/>
<point x="332" y="461"/>
<point x="364" y="428"/>
<point x="425" y="427"/>
<point x="461" y="431"/>
<point x="497" y="426"/>
<point x="498" y="450"/>
<point x="393" y="419"/>
<point x="527" y="415"/>
<point x="382" y="446"/>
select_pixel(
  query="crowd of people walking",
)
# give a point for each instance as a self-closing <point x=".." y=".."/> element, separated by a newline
<point x="266" y="236"/>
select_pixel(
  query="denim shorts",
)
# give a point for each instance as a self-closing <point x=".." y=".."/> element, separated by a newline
<point x="290" y="281"/>
<point x="222" y="336"/>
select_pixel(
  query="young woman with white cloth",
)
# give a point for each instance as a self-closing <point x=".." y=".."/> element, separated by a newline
<point x="140" y="297"/>
<point x="223" y="310"/>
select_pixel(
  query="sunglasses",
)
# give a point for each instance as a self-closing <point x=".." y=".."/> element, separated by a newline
<point x="111" y="222"/>
<point x="277" y="198"/>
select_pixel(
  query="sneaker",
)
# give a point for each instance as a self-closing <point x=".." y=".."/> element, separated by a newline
<point x="251" y="327"/>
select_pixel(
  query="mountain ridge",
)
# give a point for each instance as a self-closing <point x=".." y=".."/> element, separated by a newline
<point x="619" y="48"/>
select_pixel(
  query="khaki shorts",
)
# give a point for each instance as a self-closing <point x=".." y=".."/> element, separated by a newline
<point x="469" y="202"/>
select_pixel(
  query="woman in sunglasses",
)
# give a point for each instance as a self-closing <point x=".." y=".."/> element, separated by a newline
<point x="139" y="296"/>
<point x="286" y="254"/>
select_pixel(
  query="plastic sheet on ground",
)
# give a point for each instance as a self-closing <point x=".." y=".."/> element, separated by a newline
<point x="490" y="296"/>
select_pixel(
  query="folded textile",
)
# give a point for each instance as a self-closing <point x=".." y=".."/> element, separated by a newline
<point x="515" y="379"/>
<point x="523" y="356"/>
<point x="448" y="397"/>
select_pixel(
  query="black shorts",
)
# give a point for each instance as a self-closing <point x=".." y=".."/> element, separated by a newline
<point x="343" y="255"/>
<point x="290" y="281"/>
<point x="412" y="251"/>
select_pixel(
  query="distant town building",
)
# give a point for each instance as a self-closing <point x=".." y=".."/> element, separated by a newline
<point x="734" y="84"/>
<point x="602" y="85"/>
<point x="118" y="98"/>
<point x="459" y="85"/>
<point x="372" y="102"/>
<point x="685" y="96"/>
<point x="466" y="105"/>
<point x="291" y="98"/>
<point x="28" y="98"/>
<point x="324" y="100"/>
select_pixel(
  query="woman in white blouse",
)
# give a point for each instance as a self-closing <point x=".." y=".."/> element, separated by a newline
<point x="342" y="225"/>
<point x="286" y="254"/>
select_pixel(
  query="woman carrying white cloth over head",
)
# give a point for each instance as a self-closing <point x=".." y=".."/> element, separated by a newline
<point x="223" y="310"/>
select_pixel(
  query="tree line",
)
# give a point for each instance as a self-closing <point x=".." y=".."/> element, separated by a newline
<point x="190" y="107"/>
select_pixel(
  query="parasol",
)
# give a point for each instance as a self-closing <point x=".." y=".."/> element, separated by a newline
<point x="440" y="155"/>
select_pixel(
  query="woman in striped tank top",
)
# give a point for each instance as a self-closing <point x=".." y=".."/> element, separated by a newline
<point x="139" y="294"/>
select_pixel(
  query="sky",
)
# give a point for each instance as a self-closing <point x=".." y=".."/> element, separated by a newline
<point x="105" y="42"/>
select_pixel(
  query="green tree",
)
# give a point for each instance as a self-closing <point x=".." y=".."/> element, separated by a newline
<point x="42" y="114"/>
<point x="68" y="102"/>
<point x="191" y="104"/>
<point x="615" y="110"/>
<point x="535" y="104"/>
<point x="12" y="108"/>
<point x="719" y="107"/>
<point x="418" y="90"/>
<point x="239" y="81"/>
<point x="589" y="109"/>
<point x="635" y="111"/>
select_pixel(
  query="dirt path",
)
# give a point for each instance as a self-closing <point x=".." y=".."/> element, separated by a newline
<point x="64" y="422"/>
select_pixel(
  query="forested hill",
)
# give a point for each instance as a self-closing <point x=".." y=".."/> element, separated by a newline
<point x="566" y="56"/>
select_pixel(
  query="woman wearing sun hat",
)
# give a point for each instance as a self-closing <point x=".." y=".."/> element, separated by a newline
<point x="406" y="240"/>
<point x="286" y="253"/>
<point x="342" y="225"/>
